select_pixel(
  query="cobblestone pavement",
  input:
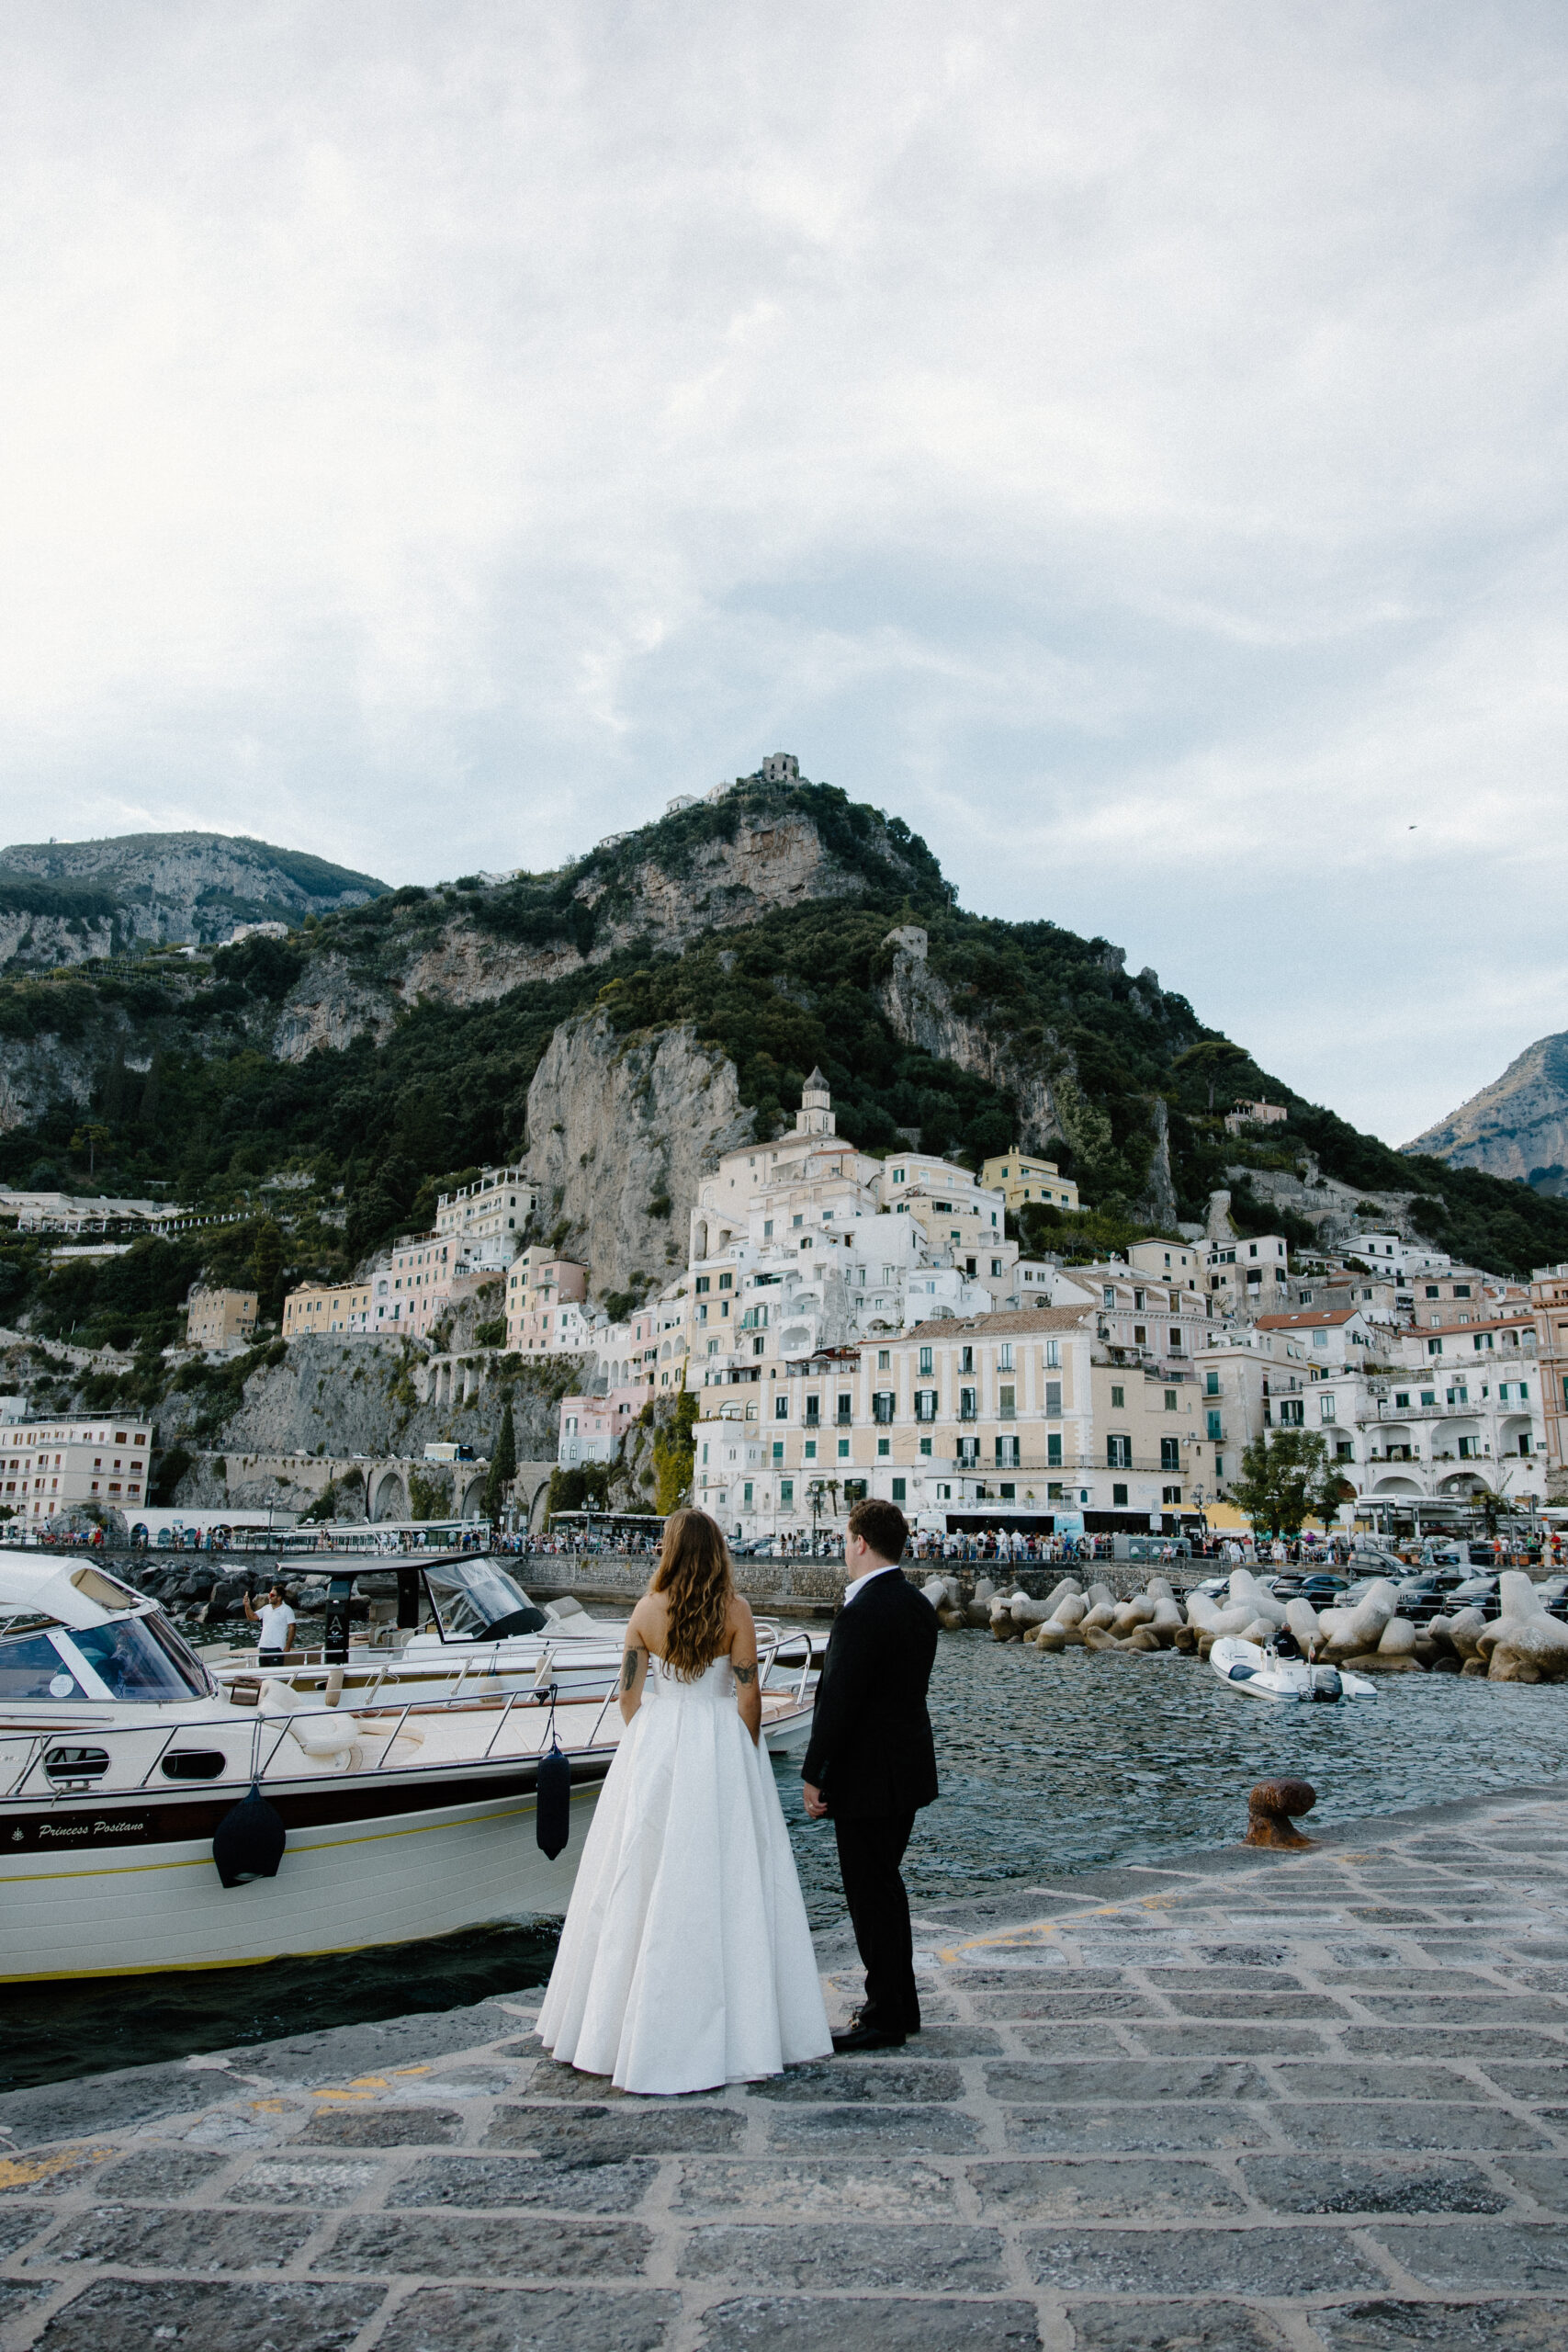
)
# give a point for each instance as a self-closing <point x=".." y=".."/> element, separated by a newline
<point x="1248" y="2099"/>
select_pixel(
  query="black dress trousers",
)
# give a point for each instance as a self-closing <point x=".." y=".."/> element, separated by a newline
<point x="870" y="1850"/>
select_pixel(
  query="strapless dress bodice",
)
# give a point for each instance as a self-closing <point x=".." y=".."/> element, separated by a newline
<point x="714" y="1686"/>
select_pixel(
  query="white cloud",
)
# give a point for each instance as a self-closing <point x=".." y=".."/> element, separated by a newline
<point x="1128" y="442"/>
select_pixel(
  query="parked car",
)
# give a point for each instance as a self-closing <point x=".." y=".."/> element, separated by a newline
<point x="1324" y="1590"/>
<point x="1475" y="1593"/>
<point x="1425" y="1597"/>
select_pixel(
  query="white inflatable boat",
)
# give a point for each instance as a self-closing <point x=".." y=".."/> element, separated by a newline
<point x="1248" y="1666"/>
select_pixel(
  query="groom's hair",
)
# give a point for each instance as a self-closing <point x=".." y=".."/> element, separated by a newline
<point x="883" y="1527"/>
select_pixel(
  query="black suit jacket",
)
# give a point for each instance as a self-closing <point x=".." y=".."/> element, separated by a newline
<point x="871" y="1750"/>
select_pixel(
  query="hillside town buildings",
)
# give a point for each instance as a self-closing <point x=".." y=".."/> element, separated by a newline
<point x="854" y="1323"/>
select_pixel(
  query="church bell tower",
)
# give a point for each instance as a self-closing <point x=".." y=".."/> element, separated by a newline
<point x="815" y="1116"/>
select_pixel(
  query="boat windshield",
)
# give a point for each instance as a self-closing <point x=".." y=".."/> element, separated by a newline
<point x="32" y="1667"/>
<point x="471" y="1596"/>
<point x="142" y="1657"/>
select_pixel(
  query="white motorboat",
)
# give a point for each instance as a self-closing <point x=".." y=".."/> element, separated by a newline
<point x="1263" y="1674"/>
<point x="461" y="1624"/>
<point x="153" y="1820"/>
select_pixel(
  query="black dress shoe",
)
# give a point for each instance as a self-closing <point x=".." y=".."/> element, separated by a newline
<point x="865" y="2037"/>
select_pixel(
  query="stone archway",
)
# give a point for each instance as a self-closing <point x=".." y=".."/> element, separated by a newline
<point x="390" y="1496"/>
<point x="472" y="1495"/>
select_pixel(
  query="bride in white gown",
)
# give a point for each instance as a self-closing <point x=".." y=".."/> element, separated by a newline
<point x="685" y="1961"/>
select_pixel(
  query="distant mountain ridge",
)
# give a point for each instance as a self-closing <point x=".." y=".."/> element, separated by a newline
<point x="62" y="902"/>
<point x="625" y="1017"/>
<point x="1517" y="1126"/>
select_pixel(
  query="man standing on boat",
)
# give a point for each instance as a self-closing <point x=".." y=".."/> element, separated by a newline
<point x="872" y="1761"/>
<point x="276" y="1622"/>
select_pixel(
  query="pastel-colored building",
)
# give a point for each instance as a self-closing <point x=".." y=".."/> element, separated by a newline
<point x="1019" y="1177"/>
<point x="593" y="1428"/>
<point x="494" y="1208"/>
<point x="547" y="1312"/>
<point x="220" y="1319"/>
<point x="343" y="1307"/>
<point x="1255" y="1114"/>
<point x="1249" y="1276"/>
<point x="48" y="1466"/>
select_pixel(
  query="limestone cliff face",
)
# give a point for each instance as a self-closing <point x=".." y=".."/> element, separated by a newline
<point x="38" y="1071"/>
<point x="774" y="860"/>
<point x="1332" y="1206"/>
<point x="468" y="966"/>
<point x="345" y="1398"/>
<point x="921" y="1011"/>
<point x="41" y="943"/>
<point x="327" y="1006"/>
<point x="620" y="1129"/>
<point x="1517" y="1123"/>
<point x="1158" y="1203"/>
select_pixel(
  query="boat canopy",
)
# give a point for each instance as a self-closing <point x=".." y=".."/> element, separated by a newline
<point x="72" y="1593"/>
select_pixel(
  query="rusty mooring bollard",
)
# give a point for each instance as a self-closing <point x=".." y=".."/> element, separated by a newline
<point x="1269" y="1806"/>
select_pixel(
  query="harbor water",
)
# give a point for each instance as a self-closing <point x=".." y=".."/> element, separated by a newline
<point x="1049" y="1766"/>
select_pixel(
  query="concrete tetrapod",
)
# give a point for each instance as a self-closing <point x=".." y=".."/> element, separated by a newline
<point x="1525" y="1645"/>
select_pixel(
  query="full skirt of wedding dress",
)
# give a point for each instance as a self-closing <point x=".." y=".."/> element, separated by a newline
<point x="685" y="1961"/>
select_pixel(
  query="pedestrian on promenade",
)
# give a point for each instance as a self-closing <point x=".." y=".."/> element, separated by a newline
<point x="872" y="1761"/>
<point x="276" y="1622"/>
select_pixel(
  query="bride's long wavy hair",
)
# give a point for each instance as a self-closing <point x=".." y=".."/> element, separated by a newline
<point x="696" y="1579"/>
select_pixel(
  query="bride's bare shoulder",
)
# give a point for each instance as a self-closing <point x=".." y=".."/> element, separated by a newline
<point x="651" y="1616"/>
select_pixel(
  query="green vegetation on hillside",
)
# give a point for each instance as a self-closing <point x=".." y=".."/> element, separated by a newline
<point x="197" y="1107"/>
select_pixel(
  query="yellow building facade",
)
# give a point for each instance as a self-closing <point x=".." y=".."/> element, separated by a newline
<point x="1020" y="1178"/>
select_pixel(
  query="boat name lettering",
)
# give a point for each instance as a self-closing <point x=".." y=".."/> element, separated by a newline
<point x="121" y="1827"/>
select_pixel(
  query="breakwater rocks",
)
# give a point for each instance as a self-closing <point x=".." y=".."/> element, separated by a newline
<point x="1522" y="1644"/>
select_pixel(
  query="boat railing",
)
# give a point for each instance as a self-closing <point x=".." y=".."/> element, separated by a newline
<point x="110" y="1736"/>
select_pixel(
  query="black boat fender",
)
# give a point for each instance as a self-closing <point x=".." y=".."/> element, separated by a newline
<point x="249" y="1840"/>
<point x="552" y="1795"/>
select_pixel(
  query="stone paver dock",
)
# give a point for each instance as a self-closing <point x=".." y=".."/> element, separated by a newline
<point x="1246" y="2100"/>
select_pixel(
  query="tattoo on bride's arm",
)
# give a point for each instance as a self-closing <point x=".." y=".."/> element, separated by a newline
<point x="628" y="1669"/>
<point x="744" y="1674"/>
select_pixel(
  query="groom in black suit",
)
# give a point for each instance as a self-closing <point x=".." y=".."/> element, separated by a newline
<point x="871" y="1762"/>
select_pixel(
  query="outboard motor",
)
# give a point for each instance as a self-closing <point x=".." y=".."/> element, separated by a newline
<point x="1325" y="1683"/>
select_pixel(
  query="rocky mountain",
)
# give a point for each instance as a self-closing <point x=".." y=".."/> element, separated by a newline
<point x="1517" y="1126"/>
<point x="62" y="902"/>
<point x="622" y="1020"/>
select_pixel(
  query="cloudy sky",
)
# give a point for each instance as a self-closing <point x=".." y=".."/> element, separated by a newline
<point x="1126" y="440"/>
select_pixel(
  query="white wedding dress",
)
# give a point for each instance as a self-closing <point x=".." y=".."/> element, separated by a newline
<point x="685" y="1961"/>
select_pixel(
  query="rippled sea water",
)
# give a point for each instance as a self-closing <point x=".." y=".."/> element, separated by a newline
<point x="1049" y="1765"/>
<point x="1053" y="1764"/>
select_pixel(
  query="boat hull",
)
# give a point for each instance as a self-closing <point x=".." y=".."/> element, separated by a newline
<point x="340" y="1886"/>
